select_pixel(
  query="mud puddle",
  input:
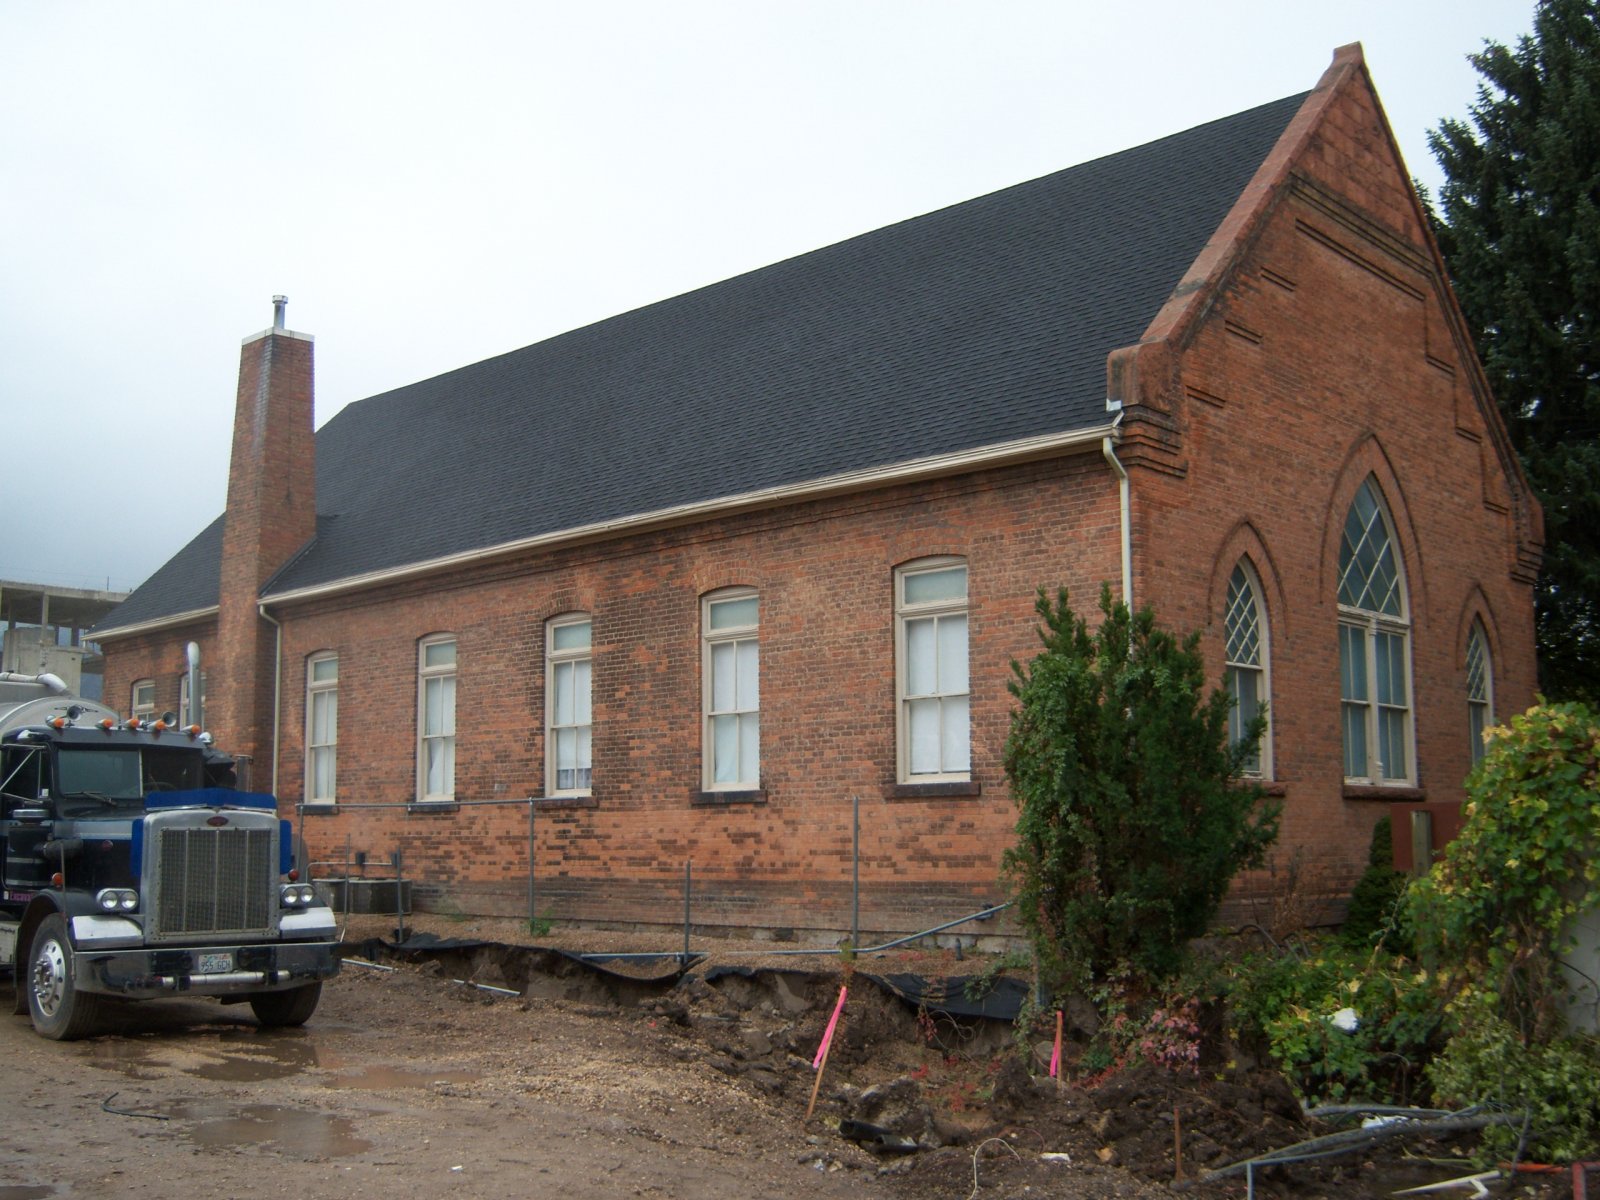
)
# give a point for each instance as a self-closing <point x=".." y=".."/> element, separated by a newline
<point x="293" y="1132"/>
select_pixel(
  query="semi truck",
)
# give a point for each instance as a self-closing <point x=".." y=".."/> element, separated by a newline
<point x="133" y="866"/>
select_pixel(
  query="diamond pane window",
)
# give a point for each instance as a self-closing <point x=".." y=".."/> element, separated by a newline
<point x="1374" y="646"/>
<point x="1246" y="674"/>
<point x="1480" y="690"/>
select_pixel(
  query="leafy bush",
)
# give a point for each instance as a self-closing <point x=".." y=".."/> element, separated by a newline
<point x="1497" y="911"/>
<point x="1290" y="1007"/>
<point x="1133" y="818"/>
<point x="1555" y="1083"/>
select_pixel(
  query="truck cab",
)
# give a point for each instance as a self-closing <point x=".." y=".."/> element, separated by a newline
<point x="131" y="865"/>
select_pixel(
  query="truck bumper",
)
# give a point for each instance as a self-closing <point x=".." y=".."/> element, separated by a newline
<point x="206" y="971"/>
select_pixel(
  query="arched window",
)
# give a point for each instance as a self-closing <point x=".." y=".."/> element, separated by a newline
<point x="322" y="727"/>
<point x="1245" y="630"/>
<point x="436" y="718"/>
<point x="931" y="645"/>
<point x="568" y="715"/>
<point x="1480" y="689"/>
<point x="1374" y="646"/>
<point x="730" y="624"/>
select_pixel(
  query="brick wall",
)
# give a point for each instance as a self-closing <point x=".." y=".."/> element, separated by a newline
<point x="824" y="574"/>
<point x="1327" y="355"/>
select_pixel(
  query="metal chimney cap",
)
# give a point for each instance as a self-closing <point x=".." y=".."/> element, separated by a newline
<point x="278" y="305"/>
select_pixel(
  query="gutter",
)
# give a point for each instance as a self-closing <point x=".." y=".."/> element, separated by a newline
<point x="155" y="624"/>
<point x="1001" y="454"/>
<point x="1125" y="503"/>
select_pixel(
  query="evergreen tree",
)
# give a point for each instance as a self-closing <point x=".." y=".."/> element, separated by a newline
<point x="1520" y="232"/>
<point x="1133" y="820"/>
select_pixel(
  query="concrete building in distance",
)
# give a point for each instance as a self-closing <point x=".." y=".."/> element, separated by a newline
<point x="45" y="629"/>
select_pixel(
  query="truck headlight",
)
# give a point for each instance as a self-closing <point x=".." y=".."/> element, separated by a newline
<point x="297" y="895"/>
<point x="117" y="900"/>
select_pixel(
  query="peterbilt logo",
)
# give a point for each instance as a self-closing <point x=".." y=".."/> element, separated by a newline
<point x="217" y="822"/>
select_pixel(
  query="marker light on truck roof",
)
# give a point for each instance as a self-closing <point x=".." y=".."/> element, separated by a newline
<point x="134" y="724"/>
<point x="108" y="724"/>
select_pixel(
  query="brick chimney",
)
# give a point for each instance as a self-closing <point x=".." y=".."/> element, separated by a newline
<point x="271" y="515"/>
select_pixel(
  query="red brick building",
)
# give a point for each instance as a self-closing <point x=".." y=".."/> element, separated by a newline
<point x="697" y="576"/>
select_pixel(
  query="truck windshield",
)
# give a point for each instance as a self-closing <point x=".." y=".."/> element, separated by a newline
<point x="125" y="773"/>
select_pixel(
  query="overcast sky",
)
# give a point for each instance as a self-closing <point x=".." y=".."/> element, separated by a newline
<point x="433" y="184"/>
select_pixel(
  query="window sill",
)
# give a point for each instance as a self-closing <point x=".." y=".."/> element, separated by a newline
<point x="932" y="791"/>
<point x="557" y="803"/>
<point x="703" y="799"/>
<point x="433" y="806"/>
<point x="319" y="808"/>
<point x="1384" y="793"/>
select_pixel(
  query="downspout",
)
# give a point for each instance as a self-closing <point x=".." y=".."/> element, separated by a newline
<point x="277" y="685"/>
<point x="1108" y="448"/>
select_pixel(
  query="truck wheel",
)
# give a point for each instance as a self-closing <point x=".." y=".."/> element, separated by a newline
<point x="58" y="1009"/>
<point x="293" y="1007"/>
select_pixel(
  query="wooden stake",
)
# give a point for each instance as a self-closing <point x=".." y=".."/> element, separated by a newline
<point x="1177" y="1144"/>
<point x="1055" y="1060"/>
<point x="821" y="1064"/>
<point x="817" y="1086"/>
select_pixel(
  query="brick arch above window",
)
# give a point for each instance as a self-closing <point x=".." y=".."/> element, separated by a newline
<point x="1367" y="460"/>
<point x="1244" y="541"/>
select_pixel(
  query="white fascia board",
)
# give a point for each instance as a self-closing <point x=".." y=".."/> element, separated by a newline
<point x="981" y="457"/>
<point x="155" y="625"/>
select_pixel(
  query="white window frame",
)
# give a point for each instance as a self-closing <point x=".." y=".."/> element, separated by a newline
<point x="1480" y="689"/>
<point x="569" y="719"/>
<point x="440" y="678"/>
<point x="730" y="700"/>
<point x="184" y="720"/>
<point x="1362" y="631"/>
<point x="1244" y="661"/>
<point x="145" y="709"/>
<point x="322" y="696"/>
<point x="950" y="698"/>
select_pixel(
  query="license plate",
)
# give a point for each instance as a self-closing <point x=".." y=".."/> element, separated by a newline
<point x="214" y="964"/>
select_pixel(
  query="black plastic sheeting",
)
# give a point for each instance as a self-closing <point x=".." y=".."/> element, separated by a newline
<point x="666" y="967"/>
<point x="957" y="995"/>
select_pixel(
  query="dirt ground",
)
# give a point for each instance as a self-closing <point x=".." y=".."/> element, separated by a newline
<point x="409" y="1083"/>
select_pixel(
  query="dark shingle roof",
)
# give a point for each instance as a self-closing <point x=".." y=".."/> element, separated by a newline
<point x="973" y="325"/>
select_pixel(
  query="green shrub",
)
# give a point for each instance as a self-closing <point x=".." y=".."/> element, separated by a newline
<point x="1132" y="819"/>
<point x="1496" y="912"/>
<point x="1377" y="893"/>
<point x="1496" y="915"/>
<point x="1555" y="1083"/>
<point x="1286" y="1005"/>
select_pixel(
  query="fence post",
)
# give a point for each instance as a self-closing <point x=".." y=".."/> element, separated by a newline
<point x="533" y="915"/>
<point x="688" y="880"/>
<point x="855" y="873"/>
<point x="399" y="897"/>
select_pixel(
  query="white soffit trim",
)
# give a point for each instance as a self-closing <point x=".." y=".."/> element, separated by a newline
<point x="998" y="455"/>
<point x="155" y="625"/>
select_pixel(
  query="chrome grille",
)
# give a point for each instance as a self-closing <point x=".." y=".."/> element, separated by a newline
<point x="214" y="880"/>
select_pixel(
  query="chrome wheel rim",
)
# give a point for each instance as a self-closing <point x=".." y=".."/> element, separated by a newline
<point x="49" y="977"/>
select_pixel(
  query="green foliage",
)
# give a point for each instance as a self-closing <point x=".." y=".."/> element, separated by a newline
<point x="1132" y="819"/>
<point x="1521" y="236"/>
<point x="1377" y="892"/>
<point x="1287" y="1005"/>
<point x="1497" y="910"/>
<point x="1556" y="1083"/>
